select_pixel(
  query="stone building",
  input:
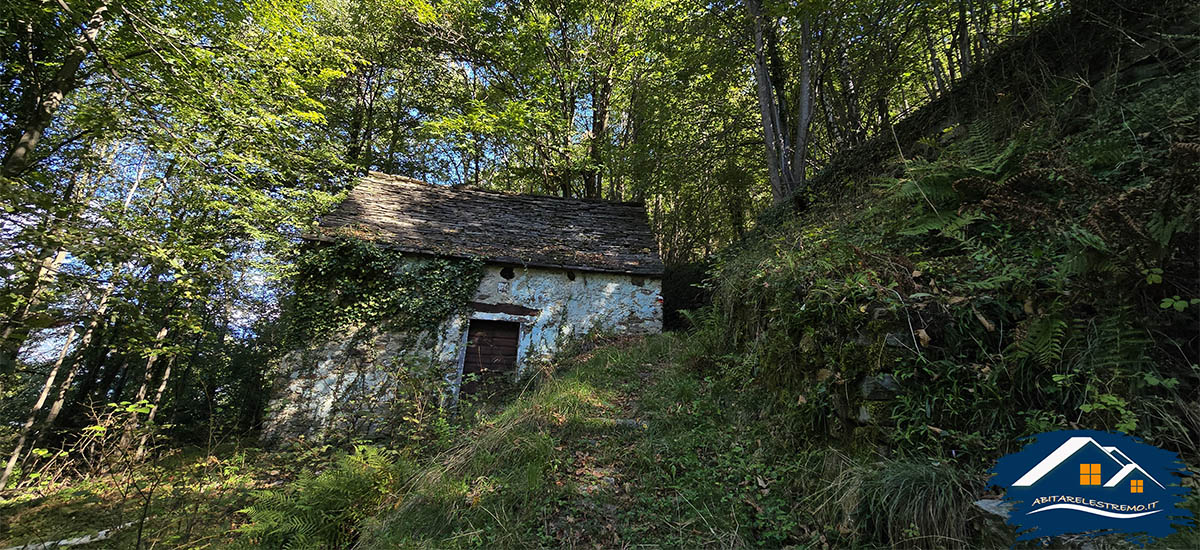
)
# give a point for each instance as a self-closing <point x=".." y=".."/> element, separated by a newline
<point x="555" y="269"/>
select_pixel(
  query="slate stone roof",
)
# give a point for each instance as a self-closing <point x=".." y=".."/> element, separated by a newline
<point x="413" y="216"/>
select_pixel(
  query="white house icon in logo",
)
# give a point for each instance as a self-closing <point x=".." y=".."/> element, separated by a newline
<point x="1073" y="445"/>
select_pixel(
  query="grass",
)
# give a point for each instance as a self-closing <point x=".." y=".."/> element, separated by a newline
<point x="187" y="499"/>
<point x="549" y="466"/>
<point x="627" y="446"/>
<point x="623" y="445"/>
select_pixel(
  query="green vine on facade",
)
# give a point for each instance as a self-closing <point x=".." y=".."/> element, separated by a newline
<point x="354" y="282"/>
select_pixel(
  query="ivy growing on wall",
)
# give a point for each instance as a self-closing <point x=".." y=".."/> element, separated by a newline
<point x="353" y="282"/>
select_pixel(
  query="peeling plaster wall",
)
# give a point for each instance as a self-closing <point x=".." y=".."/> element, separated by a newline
<point x="603" y="301"/>
<point x="348" y="386"/>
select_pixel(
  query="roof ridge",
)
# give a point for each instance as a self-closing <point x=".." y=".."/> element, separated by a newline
<point x="384" y="177"/>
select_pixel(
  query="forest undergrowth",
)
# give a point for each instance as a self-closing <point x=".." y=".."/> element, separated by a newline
<point x="859" y="370"/>
<point x="864" y="364"/>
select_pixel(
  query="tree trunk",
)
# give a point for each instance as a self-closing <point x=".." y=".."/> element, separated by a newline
<point x="15" y="326"/>
<point x="600" y="100"/>
<point x="93" y="367"/>
<point x="783" y="109"/>
<point x="86" y="340"/>
<point x="27" y="427"/>
<point x="147" y="377"/>
<point x="16" y="329"/>
<point x="935" y="63"/>
<point x="853" y="114"/>
<point x="162" y="387"/>
<point x="766" y="103"/>
<point x="63" y="387"/>
<point x="803" y="117"/>
<point x="950" y="55"/>
<point x="964" y="38"/>
<point x="831" y="126"/>
<point x="114" y="388"/>
<point x="982" y="19"/>
<point x="56" y="90"/>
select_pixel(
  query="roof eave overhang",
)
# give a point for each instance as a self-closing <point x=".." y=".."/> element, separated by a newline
<point x="656" y="271"/>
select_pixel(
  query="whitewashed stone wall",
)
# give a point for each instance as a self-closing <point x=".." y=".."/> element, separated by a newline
<point x="346" y="386"/>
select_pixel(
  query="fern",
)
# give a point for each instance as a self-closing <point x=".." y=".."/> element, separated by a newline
<point x="950" y="224"/>
<point x="1043" y="343"/>
<point x="956" y="227"/>
<point x="927" y="223"/>
<point x="1110" y="343"/>
<point x="1161" y="229"/>
<point x="1105" y="153"/>
<point x="323" y="510"/>
<point x="930" y="185"/>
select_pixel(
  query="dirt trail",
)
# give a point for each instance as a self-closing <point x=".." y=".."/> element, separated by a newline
<point x="596" y="469"/>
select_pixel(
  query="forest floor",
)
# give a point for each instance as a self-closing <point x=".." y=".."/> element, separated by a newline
<point x="618" y="447"/>
<point x="623" y="445"/>
<point x="187" y="499"/>
<point x="626" y="446"/>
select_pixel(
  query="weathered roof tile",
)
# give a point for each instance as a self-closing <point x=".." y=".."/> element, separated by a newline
<point x="418" y="217"/>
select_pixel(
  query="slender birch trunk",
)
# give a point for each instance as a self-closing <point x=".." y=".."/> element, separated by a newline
<point x="935" y="63"/>
<point x="853" y="113"/>
<point x="27" y="427"/>
<point x="147" y="377"/>
<point x="162" y="387"/>
<point x="964" y="38"/>
<point x="15" y="330"/>
<point x="84" y="342"/>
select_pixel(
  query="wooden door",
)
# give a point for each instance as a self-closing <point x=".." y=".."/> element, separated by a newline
<point x="491" y="352"/>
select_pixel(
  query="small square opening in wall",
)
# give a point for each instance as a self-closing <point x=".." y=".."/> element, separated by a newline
<point x="491" y="353"/>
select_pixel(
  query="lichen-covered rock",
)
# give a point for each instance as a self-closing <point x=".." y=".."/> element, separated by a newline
<point x="880" y="388"/>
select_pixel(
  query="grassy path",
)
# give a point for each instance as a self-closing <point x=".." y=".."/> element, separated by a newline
<point x="621" y="447"/>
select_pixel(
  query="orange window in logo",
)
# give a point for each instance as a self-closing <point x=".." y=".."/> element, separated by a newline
<point x="1135" y="486"/>
<point x="1089" y="474"/>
